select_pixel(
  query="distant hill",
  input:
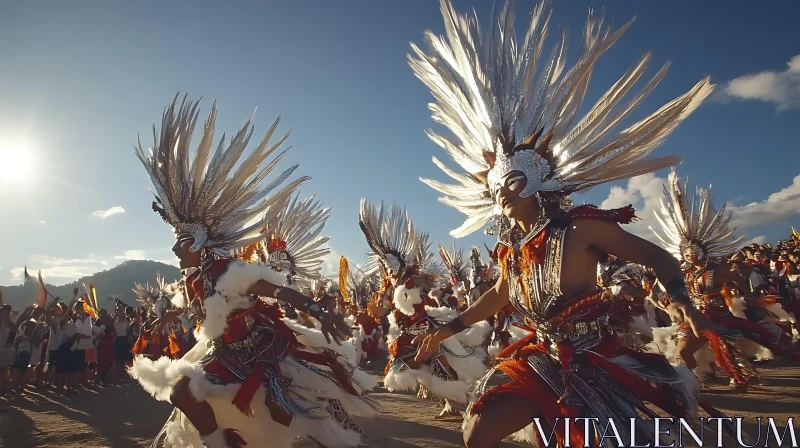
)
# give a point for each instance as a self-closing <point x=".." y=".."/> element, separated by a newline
<point x="116" y="281"/>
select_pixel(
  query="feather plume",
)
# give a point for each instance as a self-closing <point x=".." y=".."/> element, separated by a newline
<point x="501" y="98"/>
<point x="291" y="242"/>
<point x="686" y="221"/>
<point x="211" y="201"/>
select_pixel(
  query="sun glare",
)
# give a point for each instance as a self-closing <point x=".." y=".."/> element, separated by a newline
<point x="14" y="163"/>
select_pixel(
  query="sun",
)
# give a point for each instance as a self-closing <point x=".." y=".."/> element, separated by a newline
<point x="14" y="163"/>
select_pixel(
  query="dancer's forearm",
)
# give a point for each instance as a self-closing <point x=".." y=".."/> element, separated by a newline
<point x="296" y="299"/>
<point x="486" y="306"/>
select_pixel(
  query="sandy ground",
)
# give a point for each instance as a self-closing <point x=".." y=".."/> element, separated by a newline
<point x="125" y="416"/>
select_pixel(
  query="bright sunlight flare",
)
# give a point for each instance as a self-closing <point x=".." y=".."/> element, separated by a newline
<point x="14" y="163"/>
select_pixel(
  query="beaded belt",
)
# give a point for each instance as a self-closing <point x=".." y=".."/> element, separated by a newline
<point x="574" y="331"/>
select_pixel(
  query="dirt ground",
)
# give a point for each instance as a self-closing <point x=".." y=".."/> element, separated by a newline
<point x="125" y="416"/>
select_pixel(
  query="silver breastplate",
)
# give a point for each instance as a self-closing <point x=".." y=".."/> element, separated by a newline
<point x="542" y="280"/>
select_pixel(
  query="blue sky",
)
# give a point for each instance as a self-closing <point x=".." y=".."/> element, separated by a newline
<point x="80" y="80"/>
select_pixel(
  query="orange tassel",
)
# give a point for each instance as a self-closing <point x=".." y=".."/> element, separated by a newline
<point x="139" y="346"/>
<point x="174" y="349"/>
<point x="244" y="396"/>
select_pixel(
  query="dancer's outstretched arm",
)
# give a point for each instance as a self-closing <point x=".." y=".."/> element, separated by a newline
<point x="333" y="326"/>
<point x="609" y="238"/>
<point x="487" y="305"/>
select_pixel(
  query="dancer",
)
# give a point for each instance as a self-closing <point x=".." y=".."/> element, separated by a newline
<point x="356" y="289"/>
<point x="521" y="155"/>
<point x="250" y="379"/>
<point x="153" y="338"/>
<point x="482" y="277"/>
<point x="695" y="233"/>
<point x="625" y="282"/>
<point x="459" y="272"/>
<point x="402" y="257"/>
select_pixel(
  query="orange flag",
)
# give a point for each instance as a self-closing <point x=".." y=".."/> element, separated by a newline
<point x="41" y="291"/>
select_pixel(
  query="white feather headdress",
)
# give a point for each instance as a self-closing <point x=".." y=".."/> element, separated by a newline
<point x="201" y="199"/>
<point x="511" y="111"/>
<point x="149" y="294"/>
<point x="455" y="262"/>
<point x="293" y="244"/>
<point x="694" y="223"/>
<point x="391" y="236"/>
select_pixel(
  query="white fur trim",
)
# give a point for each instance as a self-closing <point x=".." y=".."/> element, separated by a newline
<point x="752" y="349"/>
<point x="476" y="335"/>
<point x="394" y="329"/>
<point x="405" y="299"/>
<point x="178" y="300"/>
<point x="441" y="313"/>
<point x="231" y="293"/>
<point x="159" y="377"/>
<point x="314" y="338"/>
<point x="254" y="430"/>
<point x="241" y="276"/>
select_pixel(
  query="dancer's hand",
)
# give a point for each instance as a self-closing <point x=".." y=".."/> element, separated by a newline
<point x="428" y="342"/>
<point x="334" y="326"/>
<point x="684" y="313"/>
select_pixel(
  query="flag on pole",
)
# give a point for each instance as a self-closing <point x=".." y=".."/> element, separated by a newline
<point x="27" y="276"/>
<point x="41" y="291"/>
<point x="87" y="306"/>
<point x="93" y="295"/>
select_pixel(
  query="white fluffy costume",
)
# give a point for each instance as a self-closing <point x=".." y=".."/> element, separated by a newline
<point x="266" y="378"/>
<point x="401" y="255"/>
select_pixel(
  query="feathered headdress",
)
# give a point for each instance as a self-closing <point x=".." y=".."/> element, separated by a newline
<point x="477" y="270"/>
<point x="313" y="286"/>
<point x="199" y="199"/>
<point x="429" y="264"/>
<point x="455" y="262"/>
<point x="694" y="224"/>
<point x="505" y="121"/>
<point x="391" y="236"/>
<point x="148" y="294"/>
<point x="292" y="244"/>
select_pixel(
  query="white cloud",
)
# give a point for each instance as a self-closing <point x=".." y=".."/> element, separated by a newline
<point x="330" y="264"/>
<point x="758" y="240"/>
<point x="777" y="207"/>
<point x="55" y="274"/>
<point x="645" y="193"/>
<point x="63" y="261"/>
<point x="131" y="255"/>
<point x="103" y="214"/>
<point x="781" y="88"/>
<point x="42" y="222"/>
